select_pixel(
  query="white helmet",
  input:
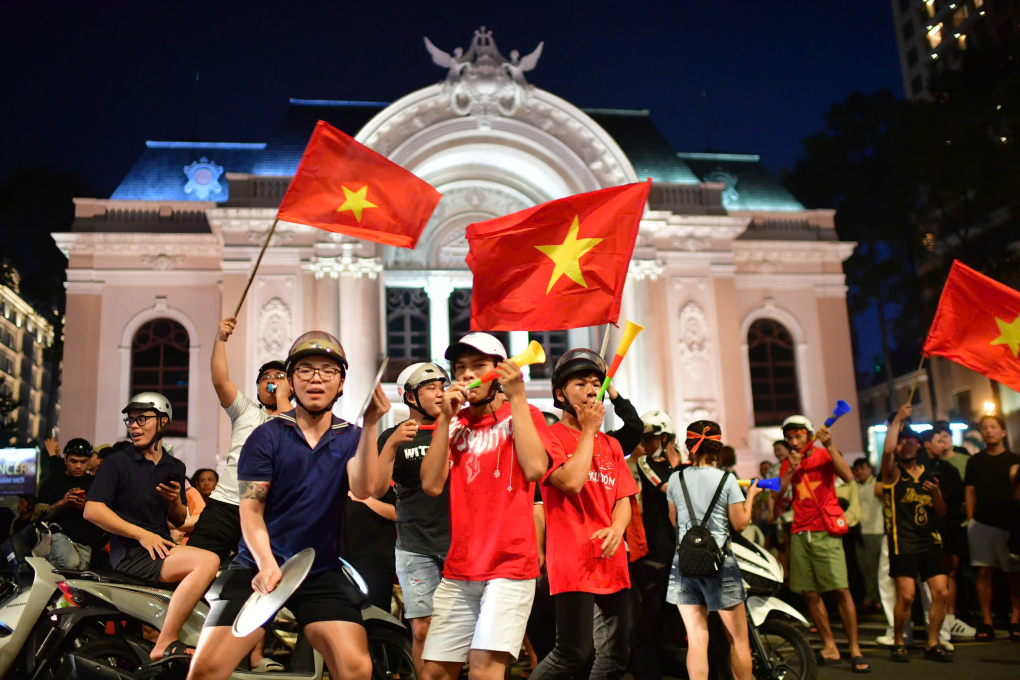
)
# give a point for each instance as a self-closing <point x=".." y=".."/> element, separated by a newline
<point x="416" y="375"/>
<point x="477" y="342"/>
<point x="150" y="401"/>
<point x="658" y="422"/>
<point x="797" y="422"/>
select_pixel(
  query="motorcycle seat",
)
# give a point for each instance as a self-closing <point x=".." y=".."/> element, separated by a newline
<point x="107" y="577"/>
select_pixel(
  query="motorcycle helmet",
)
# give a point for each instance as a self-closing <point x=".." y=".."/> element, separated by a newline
<point x="416" y="375"/>
<point x="573" y="362"/>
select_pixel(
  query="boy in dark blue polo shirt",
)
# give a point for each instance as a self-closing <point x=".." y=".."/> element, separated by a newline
<point x="293" y="475"/>
<point x="133" y="495"/>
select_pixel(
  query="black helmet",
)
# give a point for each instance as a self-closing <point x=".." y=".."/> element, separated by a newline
<point x="78" y="447"/>
<point x="275" y="363"/>
<point x="573" y="362"/>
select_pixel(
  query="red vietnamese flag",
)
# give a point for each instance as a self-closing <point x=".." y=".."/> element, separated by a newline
<point x="343" y="186"/>
<point x="558" y="265"/>
<point x="977" y="325"/>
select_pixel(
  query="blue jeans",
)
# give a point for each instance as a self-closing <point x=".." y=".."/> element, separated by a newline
<point x="722" y="592"/>
<point x="66" y="554"/>
<point x="419" y="576"/>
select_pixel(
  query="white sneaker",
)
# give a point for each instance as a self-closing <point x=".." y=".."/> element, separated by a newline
<point x="888" y="640"/>
<point x="957" y="628"/>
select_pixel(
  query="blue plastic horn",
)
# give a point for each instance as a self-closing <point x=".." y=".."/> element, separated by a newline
<point x="842" y="408"/>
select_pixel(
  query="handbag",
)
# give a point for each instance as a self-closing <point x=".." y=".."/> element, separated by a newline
<point x="832" y="517"/>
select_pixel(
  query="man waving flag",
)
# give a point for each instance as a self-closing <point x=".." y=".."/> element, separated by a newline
<point x="343" y="186"/>
<point x="558" y="265"/>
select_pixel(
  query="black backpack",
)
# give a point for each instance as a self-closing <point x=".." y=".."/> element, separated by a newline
<point x="698" y="555"/>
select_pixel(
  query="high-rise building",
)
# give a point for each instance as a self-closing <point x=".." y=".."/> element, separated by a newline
<point x="25" y="375"/>
<point x="932" y="34"/>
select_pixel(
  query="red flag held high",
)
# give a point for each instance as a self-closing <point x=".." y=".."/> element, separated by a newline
<point x="977" y="325"/>
<point x="558" y="265"/>
<point x="343" y="186"/>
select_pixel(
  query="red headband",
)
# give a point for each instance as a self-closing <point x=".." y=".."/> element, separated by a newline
<point x="702" y="437"/>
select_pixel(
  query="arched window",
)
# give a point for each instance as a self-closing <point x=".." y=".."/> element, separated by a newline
<point x="159" y="363"/>
<point x="770" y="353"/>
<point x="407" y="329"/>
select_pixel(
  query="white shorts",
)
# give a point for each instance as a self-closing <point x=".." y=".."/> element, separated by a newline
<point x="989" y="547"/>
<point x="486" y="615"/>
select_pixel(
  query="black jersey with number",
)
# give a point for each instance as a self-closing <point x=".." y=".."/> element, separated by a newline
<point x="910" y="520"/>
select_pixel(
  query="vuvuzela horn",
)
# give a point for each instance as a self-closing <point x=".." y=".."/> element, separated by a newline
<point x="630" y="331"/>
<point x="534" y="354"/>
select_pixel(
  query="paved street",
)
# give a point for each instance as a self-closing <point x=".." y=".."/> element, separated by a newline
<point x="999" y="660"/>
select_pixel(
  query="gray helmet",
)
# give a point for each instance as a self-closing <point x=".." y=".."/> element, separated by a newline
<point x="416" y="375"/>
<point x="150" y="401"/>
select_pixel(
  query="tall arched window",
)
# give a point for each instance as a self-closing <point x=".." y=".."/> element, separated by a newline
<point x="407" y="329"/>
<point x="159" y="363"/>
<point x="770" y="353"/>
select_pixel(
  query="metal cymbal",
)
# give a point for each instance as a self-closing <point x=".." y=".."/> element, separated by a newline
<point x="261" y="608"/>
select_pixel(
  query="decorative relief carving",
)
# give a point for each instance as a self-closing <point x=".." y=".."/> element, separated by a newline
<point x="694" y="352"/>
<point x="275" y="330"/>
<point x="640" y="270"/>
<point x="162" y="262"/>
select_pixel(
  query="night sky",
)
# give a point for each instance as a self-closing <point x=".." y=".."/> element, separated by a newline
<point x="86" y="84"/>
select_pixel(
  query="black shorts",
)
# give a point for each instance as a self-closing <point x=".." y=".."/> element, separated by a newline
<point x="931" y="562"/>
<point x="137" y="563"/>
<point x="324" y="596"/>
<point x="218" y="530"/>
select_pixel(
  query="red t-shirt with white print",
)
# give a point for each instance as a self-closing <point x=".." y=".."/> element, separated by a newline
<point x="492" y="528"/>
<point x="574" y="561"/>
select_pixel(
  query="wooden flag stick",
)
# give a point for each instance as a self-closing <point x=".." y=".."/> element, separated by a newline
<point x="251" y="278"/>
<point x="605" y="343"/>
<point x="917" y="375"/>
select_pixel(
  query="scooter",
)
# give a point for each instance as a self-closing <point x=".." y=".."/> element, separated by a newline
<point x="779" y="650"/>
<point x="87" y="625"/>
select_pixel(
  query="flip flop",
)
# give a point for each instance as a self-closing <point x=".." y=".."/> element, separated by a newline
<point x="825" y="661"/>
<point x="938" y="653"/>
<point x="985" y="633"/>
<point x="267" y="665"/>
<point x="860" y="665"/>
<point x="899" y="654"/>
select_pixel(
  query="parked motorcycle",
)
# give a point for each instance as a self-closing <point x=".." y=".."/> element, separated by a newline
<point x="87" y="625"/>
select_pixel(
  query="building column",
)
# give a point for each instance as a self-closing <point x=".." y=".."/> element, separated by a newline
<point x="358" y="326"/>
<point x="519" y="343"/>
<point x="439" y="288"/>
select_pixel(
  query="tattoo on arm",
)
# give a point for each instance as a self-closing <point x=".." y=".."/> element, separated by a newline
<point x="256" y="491"/>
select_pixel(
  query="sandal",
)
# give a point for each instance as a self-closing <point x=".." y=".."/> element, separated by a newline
<point x="985" y="632"/>
<point x="900" y="654"/>
<point x="860" y="665"/>
<point x="825" y="661"/>
<point x="938" y="653"/>
<point x="177" y="648"/>
<point x="1014" y="632"/>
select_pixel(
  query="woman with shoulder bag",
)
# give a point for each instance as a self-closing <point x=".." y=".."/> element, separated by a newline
<point x="705" y="577"/>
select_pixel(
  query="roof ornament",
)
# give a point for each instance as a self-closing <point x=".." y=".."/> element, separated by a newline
<point x="203" y="178"/>
<point x="730" y="195"/>
<point x="482" y="81"/>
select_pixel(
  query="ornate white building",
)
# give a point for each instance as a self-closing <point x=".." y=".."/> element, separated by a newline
<point x="739" y="286"/>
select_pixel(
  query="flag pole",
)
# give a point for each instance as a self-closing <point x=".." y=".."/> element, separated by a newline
<point x="605" y="343"/>
<point x="917" y="375"/>
<point x="251" y="278"/>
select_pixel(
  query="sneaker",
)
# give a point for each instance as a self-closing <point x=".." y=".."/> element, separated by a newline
<point x="958" y="629"/>
<point x="888" y="640"/>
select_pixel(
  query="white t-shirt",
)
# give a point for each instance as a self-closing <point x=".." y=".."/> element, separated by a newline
<point x="245" y="416"/>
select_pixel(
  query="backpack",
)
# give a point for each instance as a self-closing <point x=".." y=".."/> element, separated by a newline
<point x="698" y="555"/>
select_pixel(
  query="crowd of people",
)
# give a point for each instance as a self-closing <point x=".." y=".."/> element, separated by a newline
<point x="479" y="503"/>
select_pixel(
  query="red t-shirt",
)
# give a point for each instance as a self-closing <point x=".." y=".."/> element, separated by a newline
<point x="492" y="528"/>
<point x="814" y="487"/>
<point x="573" y="559"/>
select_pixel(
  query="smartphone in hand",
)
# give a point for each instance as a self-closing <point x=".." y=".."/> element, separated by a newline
<point x="174" y="477"/>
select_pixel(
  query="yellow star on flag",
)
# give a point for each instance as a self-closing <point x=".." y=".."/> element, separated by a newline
<point x="567" y="256"/>
<point x="805" y="487"/>
<point x="1010" y="335"/>
<point x="356" y="201"/>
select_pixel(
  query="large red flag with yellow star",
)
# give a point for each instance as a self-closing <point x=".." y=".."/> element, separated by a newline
<point x="558" y="265"/>
<point x="343" y="186"/>
<point x="977" y="325"/>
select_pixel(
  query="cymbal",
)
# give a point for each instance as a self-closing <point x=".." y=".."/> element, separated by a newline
<point x="261" y="608"/>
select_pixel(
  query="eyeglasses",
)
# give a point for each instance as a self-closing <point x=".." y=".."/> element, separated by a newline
<point x="137" y="420"/>
<point x="327" y="373"/>
<point x="273" y="376"/>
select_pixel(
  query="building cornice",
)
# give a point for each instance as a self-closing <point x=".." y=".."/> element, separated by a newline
<point x="94" y="207"/>
<point x="136" y="243"/>
<point x="767" y="257"/>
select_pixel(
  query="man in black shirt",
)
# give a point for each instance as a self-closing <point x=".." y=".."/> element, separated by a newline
<point x="423" y="521"/>
<point x="133" y="496"/>
<point x="991" y="509"/>
<point x="64" y="495"/>
<point x="655" y="467"/>
<point x="913" y="503"/>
